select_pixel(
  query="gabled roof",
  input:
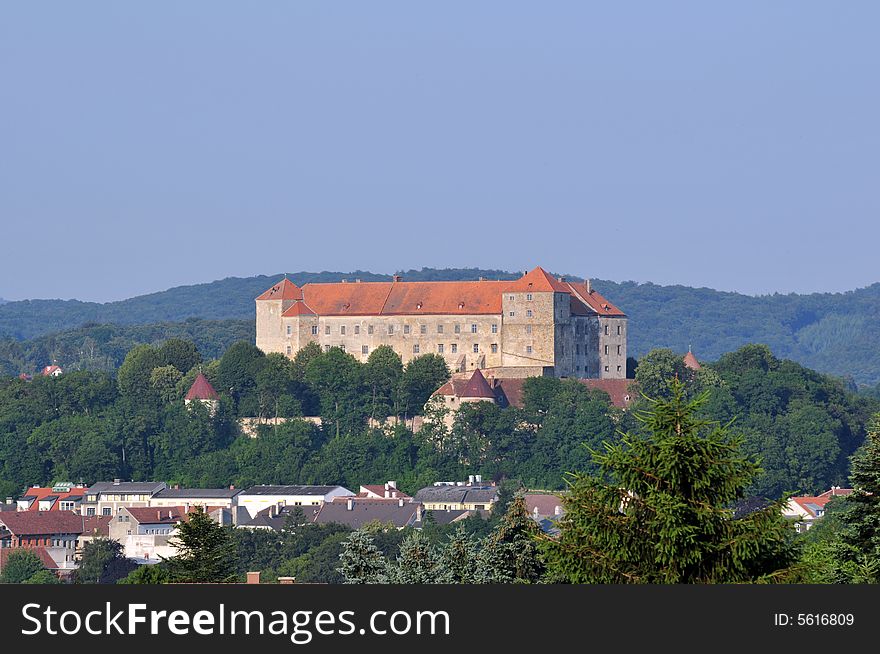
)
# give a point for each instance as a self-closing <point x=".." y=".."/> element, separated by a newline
<point x="96" y="525"/>
<point x="364" y="511"/>
<point x="293" y="490"/>
<point x="37" y="494"/>
<point x="478" y="387"/>
<point x="539" y="281"/>
<point x="298" y="308"/>
<point x="594" y="302"/>
<point x="202" y="389"/>
<point x="377" y="491"/>
<point x="126" y="487"/>
<point x="49" y="370"/>
<point x="197" y="493"/>
<point x="545" y="503"/>
<point x="39" y="523"/>
<point x="283" y="290"/>
<point x="690" y="361"/>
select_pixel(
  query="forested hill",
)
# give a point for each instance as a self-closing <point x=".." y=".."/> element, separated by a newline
<point x="837" y="333"/>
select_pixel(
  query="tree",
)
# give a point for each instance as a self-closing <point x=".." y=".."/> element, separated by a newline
<point x="164" y="381"/>
<point x="337" y="379"/>
<point x="44" y="577"/>
<point x="103" y="562"/>
<point x="382" y="374"/>
<point x="417" y="562"/>
<point x="658" y="510"/>
<point x="237" y="375"/>
<point x="510" y="553"/>
<point x="179" y="353"/>
<point x="206" y="552"/>
<point x="147" y="574"/>
<point x="459" y="557"/>
<point x="657" y="369"/>
<point x="21" y="565"/>
<point x="422" y="376"/>
<point x="361" y="562"/>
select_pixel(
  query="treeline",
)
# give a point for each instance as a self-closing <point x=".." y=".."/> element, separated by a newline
<point x="103" y="347"/>
<point x="89" y="425"/>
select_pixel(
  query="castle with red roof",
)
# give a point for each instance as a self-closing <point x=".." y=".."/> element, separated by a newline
<point x="535" y="325"/>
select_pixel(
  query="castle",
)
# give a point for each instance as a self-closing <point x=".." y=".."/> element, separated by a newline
<point x="535" y="325"/>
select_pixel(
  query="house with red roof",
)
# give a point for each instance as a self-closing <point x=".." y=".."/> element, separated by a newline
<point x="535" y="325"/>
<point x="56" y="531"/>
<point x="52" y="371"/>
<point x="804" y="510"/>
<point x="60" y="497"/>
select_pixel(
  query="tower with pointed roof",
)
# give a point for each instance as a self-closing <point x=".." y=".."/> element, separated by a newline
<point x="201" y="391"/>
<point x="535" y="325"/>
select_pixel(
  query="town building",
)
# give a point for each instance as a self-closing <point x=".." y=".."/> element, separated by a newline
<point x="257" y="498"/>
<point x="59" y="497"/>
<point x="56" y="531"/>
<point x="386" y="491"/>
<point x="545" y="509"/>
<point x="804" y="510"/>
<point x="106" y="497"/>
<point x="193" y="497"/>
<point x="473" y="495"/>
<point x="535" y="325"/>
<point x="355" y="512"/>
<point x="52" y="371"/>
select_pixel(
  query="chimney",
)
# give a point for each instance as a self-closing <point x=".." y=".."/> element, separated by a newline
<point x="392" y="484"/>
<point x="9" y="500"/>
<point x="349" y="505"/>
<point x="176" y="487"/>
<point x="232" y="487"/>
<point x="186" y="509"/>
<point x="397" y="278"/>
<point x="478" y="479"/>
<point x="387" y="493"/>
<point x="400" y="502"/>
<point x="116" y="482"/>
<point x="482" y="279"/>
<point x="356" y="281"/>
<point x="471" y="479"/>
<point x="345" y="281"/>
<point x="561" y="278"/>
<point x="158" y="515"/>
<point x="589" y="286"/>
<point x="253" y="577"/>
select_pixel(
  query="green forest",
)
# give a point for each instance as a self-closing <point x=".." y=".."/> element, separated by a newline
<point x="836" y="333"/>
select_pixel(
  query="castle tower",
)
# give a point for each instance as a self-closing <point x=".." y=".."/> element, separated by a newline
<point x="202" y="391"/>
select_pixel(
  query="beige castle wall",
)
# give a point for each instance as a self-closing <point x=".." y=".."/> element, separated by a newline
<point x="571" y="346"/>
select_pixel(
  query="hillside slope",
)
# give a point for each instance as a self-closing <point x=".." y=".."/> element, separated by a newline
<point x="837" y="333"/>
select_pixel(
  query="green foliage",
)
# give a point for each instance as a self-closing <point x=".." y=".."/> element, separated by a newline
<point x="510" y="554"/>
<point x="103" y="562"/>
<point x="338" y="380"/>
<point x="418" y="562"/>
<point x="147" y="574"/>
<point x="44" y="577"/>
<point x="382" y="374"/>
<point x="422" y="376"/>
<point x="361" y="562"/>
<point x="206" y="551"/>
<point x="658" y="509"/>
<point x="21" y="565"/>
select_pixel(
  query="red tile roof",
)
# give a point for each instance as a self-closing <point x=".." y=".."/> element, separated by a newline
<point x="298" y="308"/>
<point x="41" y="493"/>
<point x="618" y="389"/>
<point x="202" y="389"/>
<point x="377" y="491"/>
<point x="478" y="387"/>
<point x="690" y="361"/>
<point x="96" y="525"/>
<point x="808" y="502"/>
<point x="429" y="298"/>
<point x="34" y="523"/>
<point x="546" y="503"/>
<point x="283" y="290"/>
<point x="48" y="370"/>
<point x="47" y="561"/>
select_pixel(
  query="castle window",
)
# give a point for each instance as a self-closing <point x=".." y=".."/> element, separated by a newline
<point x="473" y="329"/>
<point x="406" y="329"/>
<point x="342" y="330"/>
<point x="369" y="329"/>
<point x="476" y="347"/>
<point x="289" y="329"/>
<point x="561" y="349"/>
<point x="454" y="347"/>
<point x="457" y="329"/>
<point x="326" y="348"/>
<point x="618" y="350"/>
<point x="528" y="313"/>
<point x="288" y="350"/>
<point x="529" y="297"/>
<point x="390" y="329"/>
<point x="365" y="349"/>
<point x="528" y="349"/>
<point x="416" y="348"/>
<point x="606" y="330"/>
<point x="327" y="330"/>
<point x="494" y="328"/>
<point x="577" y="348"/>
<point x="314" y="330"/>
<point x="606" y="349"/>
<point x="494" y="348"/>
<point x="439" y="329"/>
<point x="618" y="330"/>
<point x="618" y="368"/>
<point x="528" y="329"/>
<point x="423" y="329"/>
<point x="357" y="329"/>
<point x="439" y="348"/>
<point x="512" y="314"/>
<point x="510" y="297"/>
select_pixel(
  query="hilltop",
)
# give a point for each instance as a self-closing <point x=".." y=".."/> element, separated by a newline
<point x="836" y="333"/>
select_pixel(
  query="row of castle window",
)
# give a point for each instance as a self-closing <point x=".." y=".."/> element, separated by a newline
<point x="619" y="350"/>
<point x="407" y="329"/>
<point x="619" y="332"/>
<point x="441" y="349"/>
<point x="528" y="297"/>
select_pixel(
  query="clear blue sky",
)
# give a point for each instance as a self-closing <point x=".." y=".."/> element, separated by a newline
<point x="146" y="145"/>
